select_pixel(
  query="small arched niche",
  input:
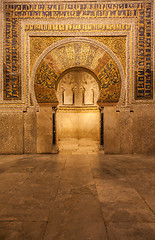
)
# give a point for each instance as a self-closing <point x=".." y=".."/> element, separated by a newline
<point x="77" y="87"/>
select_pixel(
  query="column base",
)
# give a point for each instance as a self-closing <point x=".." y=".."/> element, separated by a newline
<point x="101" y="147"/>
<point x="55" y="149"/>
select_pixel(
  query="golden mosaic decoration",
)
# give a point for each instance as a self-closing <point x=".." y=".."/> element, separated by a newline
<point x="68" y="56"/>
<point x="116" y="44"/>
<point x="139" y="11"/>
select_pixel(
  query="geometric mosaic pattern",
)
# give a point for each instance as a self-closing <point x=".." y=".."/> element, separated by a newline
<point x="77" y="54"/>
<point x="140" y="11"/>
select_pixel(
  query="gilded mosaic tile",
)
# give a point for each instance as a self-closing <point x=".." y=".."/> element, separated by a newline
<point x="116" y="44"/>
<point x="45" y="83"/>
<point x="110" y="80"/>
<point x="70" y="55"/>
<point x="38" y="45"/>
<point x="138" y="10"/>
<point x="103" y="66"/>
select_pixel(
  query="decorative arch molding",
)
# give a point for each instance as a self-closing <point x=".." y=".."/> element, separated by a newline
<point x="98" y="53"/>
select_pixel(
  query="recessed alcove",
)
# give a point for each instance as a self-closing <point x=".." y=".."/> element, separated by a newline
<point x="78" y="116"/>
<point x="78" y="88"/>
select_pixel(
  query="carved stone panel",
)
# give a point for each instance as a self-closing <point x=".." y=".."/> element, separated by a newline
<point x="78" y="88"/>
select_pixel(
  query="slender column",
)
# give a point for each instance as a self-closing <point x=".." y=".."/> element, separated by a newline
<point x="102" y="129"/>
<point x="55" y="148"/>
<point x="54" y="129"/>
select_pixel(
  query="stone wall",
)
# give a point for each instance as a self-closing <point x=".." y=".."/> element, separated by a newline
<point x="111" y="130"/>
<point x="144" y="130"/>
<point x="129" y="131"/>
<point x="30" y="130"/>
<point x="125" y="130"/>
<point x="44" y="130"/>
<point x="11" y="132"/>
<point x="26" y="131"/>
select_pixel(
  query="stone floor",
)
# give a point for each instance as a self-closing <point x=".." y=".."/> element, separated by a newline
<point x="77" y="197"/>
<point x="74" y="146"/>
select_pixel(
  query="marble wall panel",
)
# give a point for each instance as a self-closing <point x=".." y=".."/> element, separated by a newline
<point x="111" y="130"/>
<point x="144" y="130"/>
<point x="129" y="131"/>
<point x="126" y="131"/>
<point x="30" y="131"/>
<point x="78" y="125"/>
<point x="11" y="133"/>
<point x="44" y="130"/>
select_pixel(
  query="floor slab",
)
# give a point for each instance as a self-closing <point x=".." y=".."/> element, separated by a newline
<point x="72" y="196"/>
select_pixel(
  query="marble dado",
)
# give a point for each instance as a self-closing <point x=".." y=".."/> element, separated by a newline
<point x="124" y="131"/>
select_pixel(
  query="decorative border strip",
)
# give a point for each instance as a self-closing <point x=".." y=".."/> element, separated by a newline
<point x="76" y="27"/>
